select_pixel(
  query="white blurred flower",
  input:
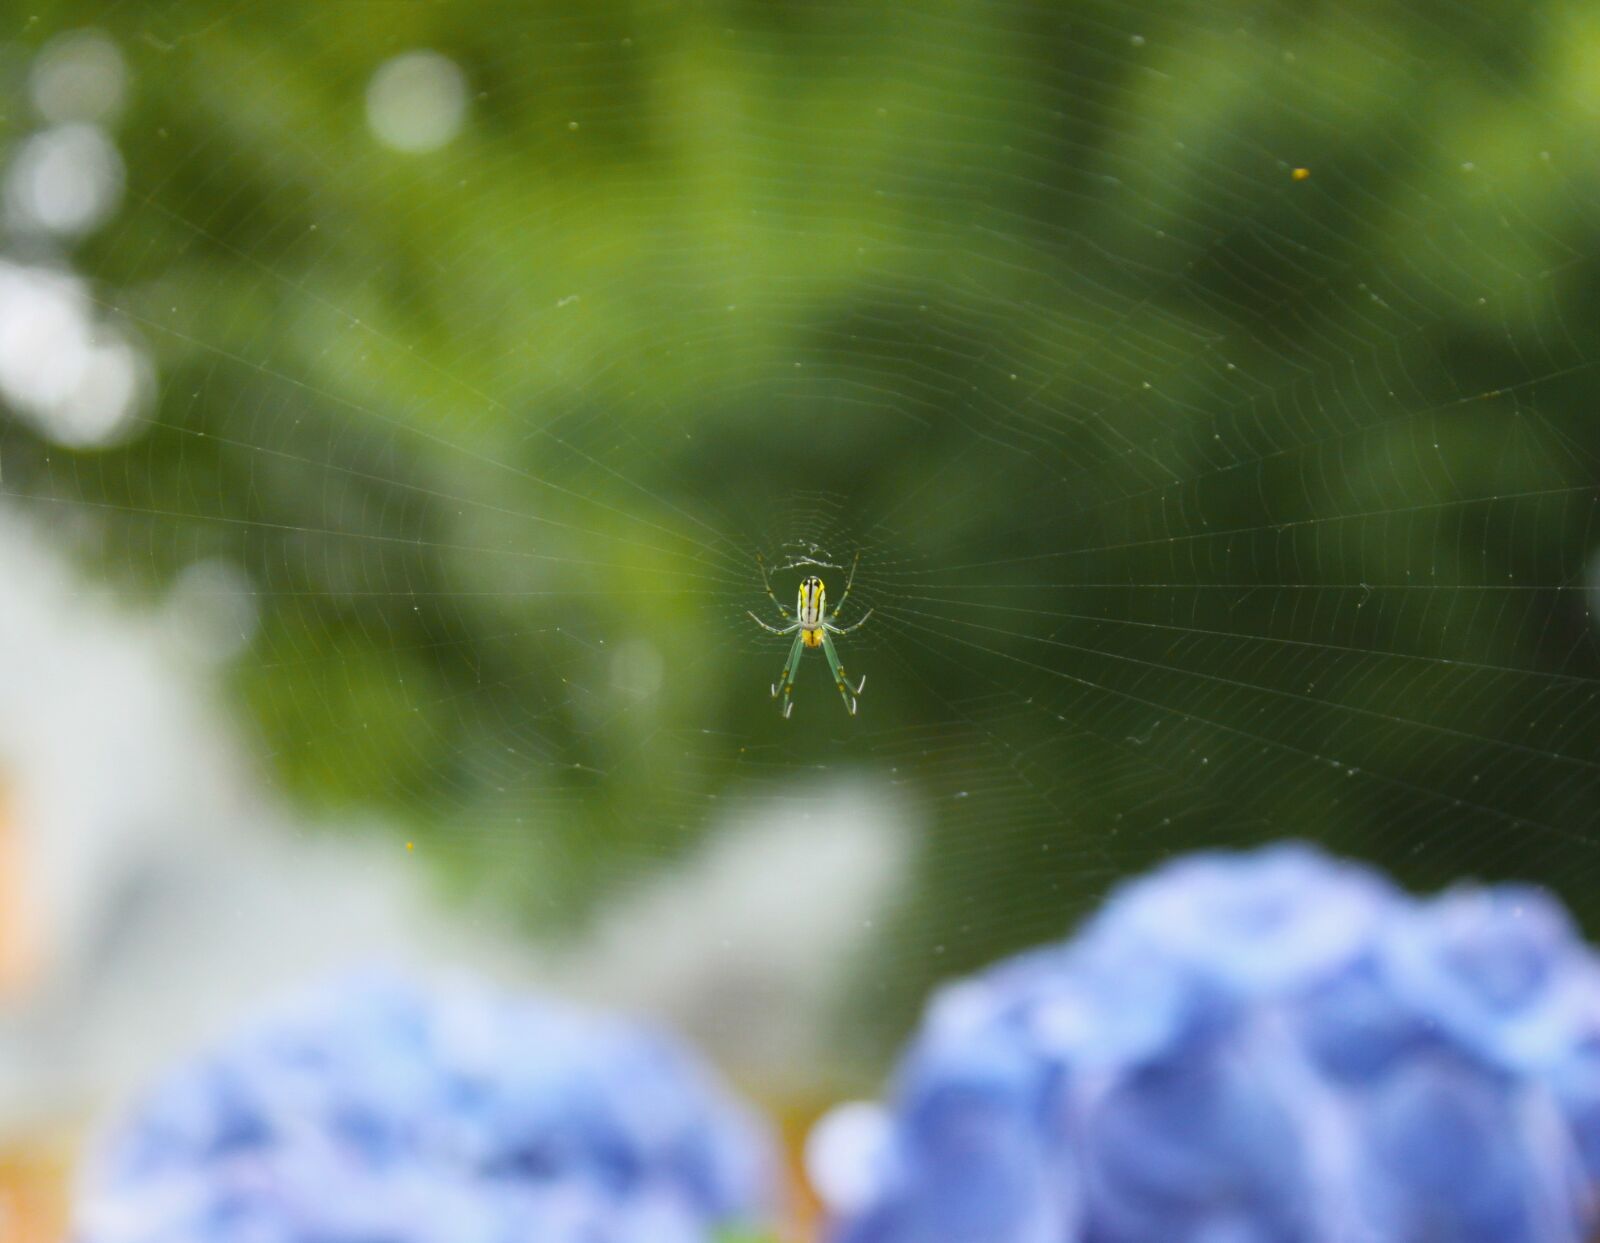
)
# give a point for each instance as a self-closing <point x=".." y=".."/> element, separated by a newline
<point x="79" y="76"/>
<point x="66" y="179"/>
<point x="843" y="1152"/>
<point x="79" y="382"/>
<point x="417" y="101"/>
<point x="768" y="919"/>
<point x="637" y="669"/>
<point x="212" y="608"/>
<point x="167" y="891"/>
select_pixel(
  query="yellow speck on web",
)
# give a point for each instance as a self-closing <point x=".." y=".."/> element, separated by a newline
<point x="1300" y="174"/>
<point x="410" y="845"/>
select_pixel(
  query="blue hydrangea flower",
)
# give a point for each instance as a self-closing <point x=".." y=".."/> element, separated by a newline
<point x="1498" y="970"/>
<point x="1272" y="1047"/>
<point x="375" y="1109"/>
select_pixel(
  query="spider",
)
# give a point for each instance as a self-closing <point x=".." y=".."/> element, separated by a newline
<point x="811" y="619"/>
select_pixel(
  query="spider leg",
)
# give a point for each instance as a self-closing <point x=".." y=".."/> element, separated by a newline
<point x="848" y="583"/>
<point x="789" y="629"/>
<point x="767" y="583"/>
<point x="855" y="625"/>
<point x="785" y="683"/>
<point x="847" y="692"/>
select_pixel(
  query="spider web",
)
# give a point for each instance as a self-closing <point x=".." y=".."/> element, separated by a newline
<point x="1203" y="388"/>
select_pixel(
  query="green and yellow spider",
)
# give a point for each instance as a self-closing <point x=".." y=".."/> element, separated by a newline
<point x="811" y="619"/>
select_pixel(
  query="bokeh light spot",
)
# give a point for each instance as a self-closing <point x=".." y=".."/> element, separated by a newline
<point x="79" y="76"/>
<point x="67" y="179"/>
<point x="417" y="102"/>
<point x="79" y="382"/>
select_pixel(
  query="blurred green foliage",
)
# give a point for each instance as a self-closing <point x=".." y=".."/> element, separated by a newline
<point x="1200" y="502"/>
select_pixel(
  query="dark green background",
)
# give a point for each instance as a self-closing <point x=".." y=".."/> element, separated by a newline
<point x="1199" y="503"/>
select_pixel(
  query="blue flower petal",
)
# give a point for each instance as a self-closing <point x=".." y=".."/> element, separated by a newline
<point x="1447" y="1152"/>
<point x="1501" y="971"/>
